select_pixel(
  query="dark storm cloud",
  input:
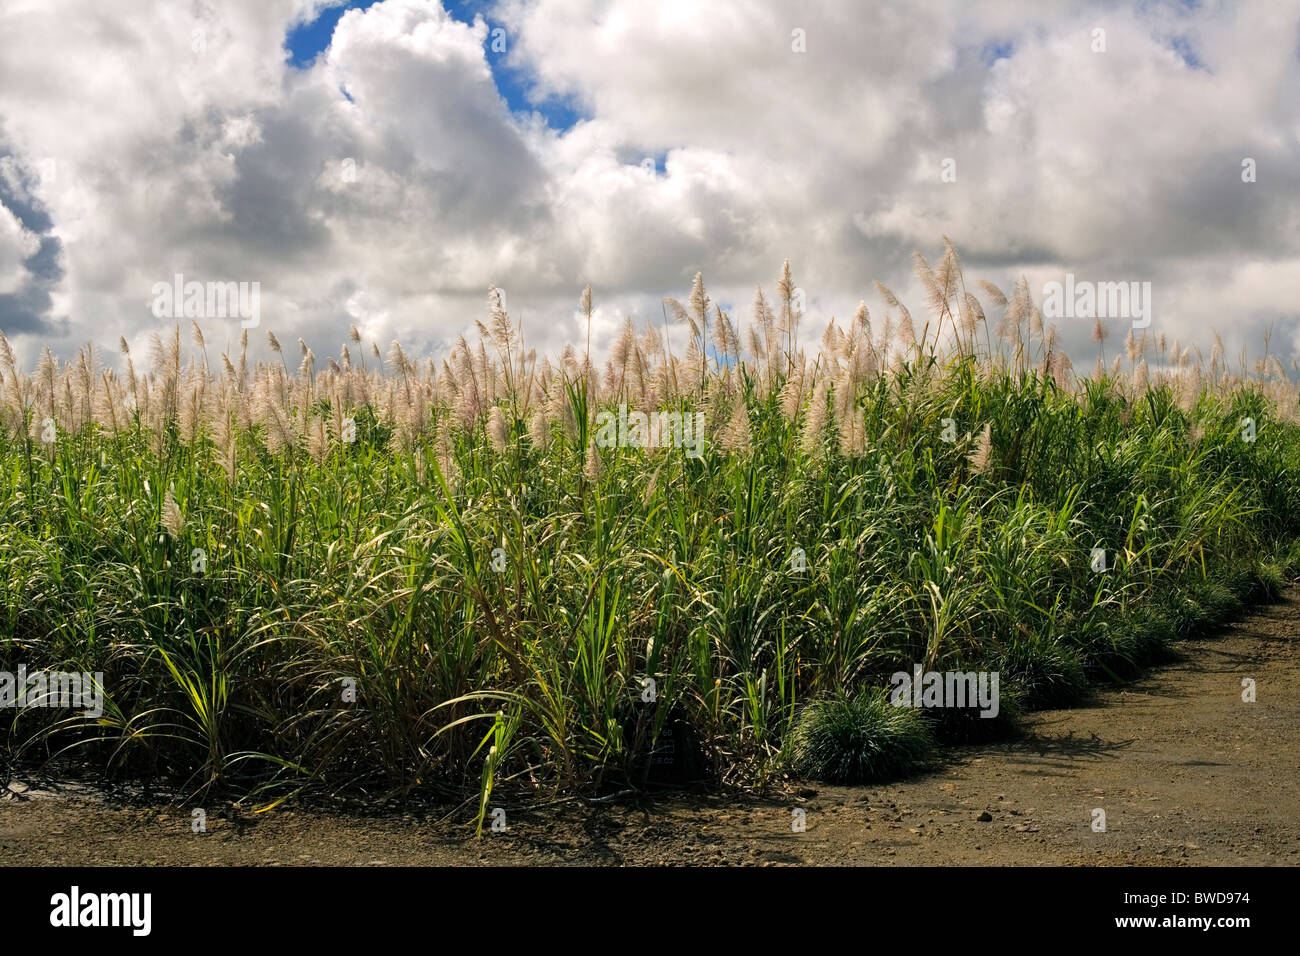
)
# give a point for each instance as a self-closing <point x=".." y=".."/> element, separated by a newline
<point x="27" y="310"/>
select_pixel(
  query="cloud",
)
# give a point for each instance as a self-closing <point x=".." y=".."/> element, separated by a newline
<point x="30" y="255"/>
<point x="389" y="183"/>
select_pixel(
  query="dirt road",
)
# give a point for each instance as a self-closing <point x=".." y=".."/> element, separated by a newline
<point x="1184" y="770"/>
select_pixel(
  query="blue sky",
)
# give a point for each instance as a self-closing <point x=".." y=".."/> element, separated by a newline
<point x="306" y="41"/>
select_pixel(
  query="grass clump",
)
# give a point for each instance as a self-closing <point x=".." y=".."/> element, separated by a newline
<point x="966" y="725"/>
<point x="1043" y="673"/>
<point x="1119" y="650"/>
<point x="852" y="738"/>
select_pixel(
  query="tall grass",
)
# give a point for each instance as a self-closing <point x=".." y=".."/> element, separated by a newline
<point x="384" y="575"/>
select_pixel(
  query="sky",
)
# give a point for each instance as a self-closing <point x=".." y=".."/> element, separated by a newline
<point x="383" y="163"/>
